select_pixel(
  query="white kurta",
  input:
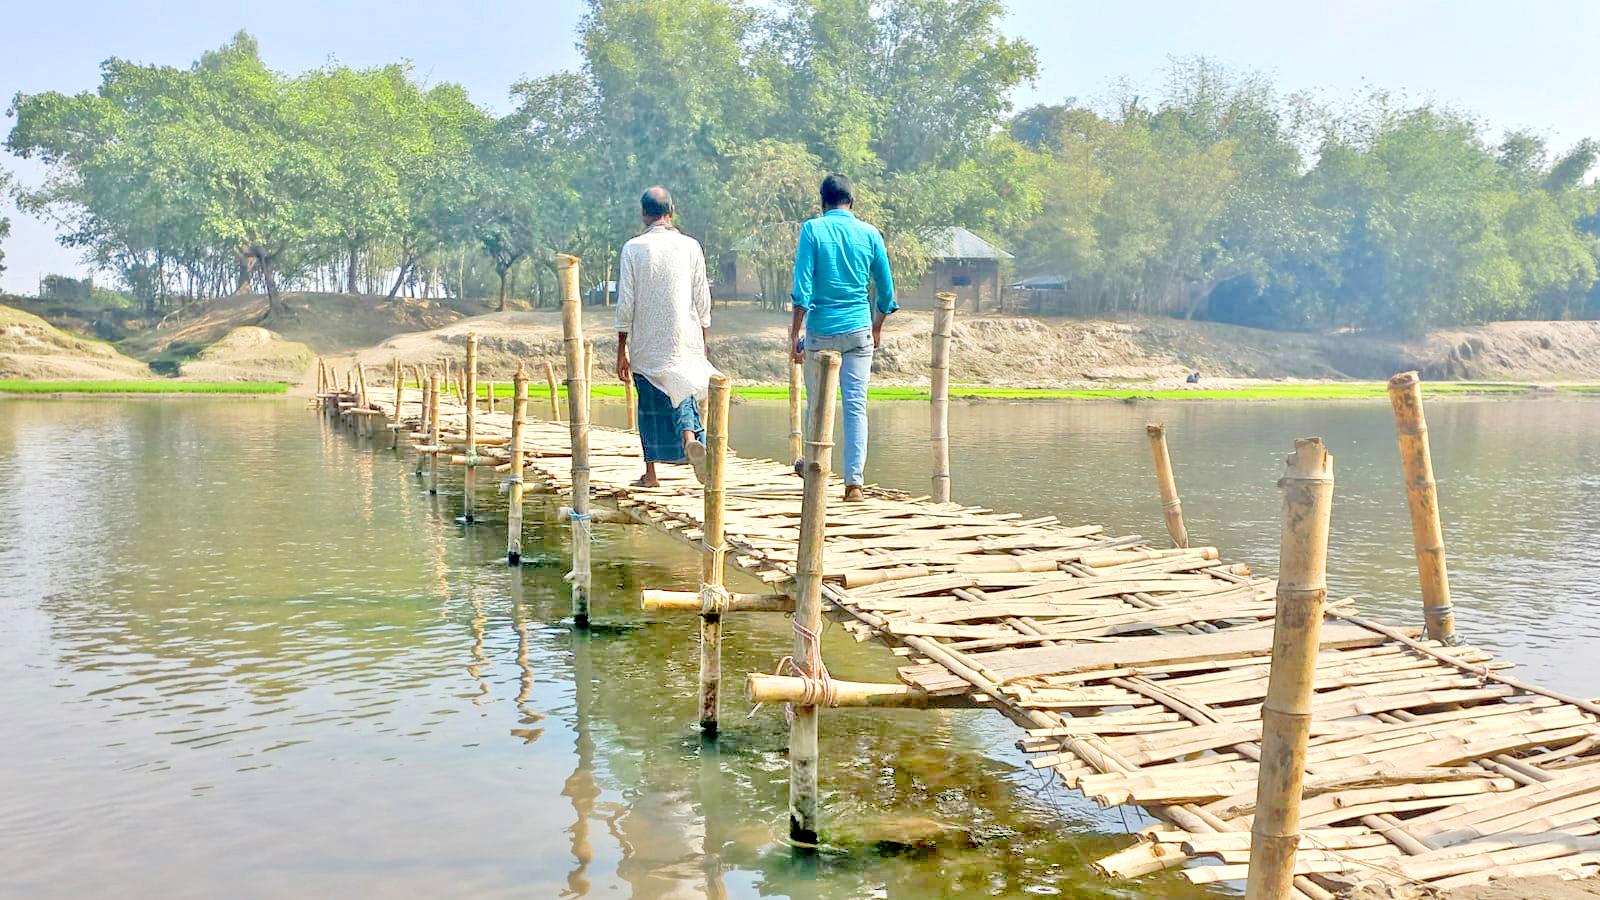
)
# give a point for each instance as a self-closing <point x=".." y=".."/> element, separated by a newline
<point x="663" y="302"/>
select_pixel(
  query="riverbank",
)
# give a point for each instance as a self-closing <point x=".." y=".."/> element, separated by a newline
<point x="148" y="386"/>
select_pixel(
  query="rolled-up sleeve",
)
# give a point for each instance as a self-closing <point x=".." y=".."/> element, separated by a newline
<point x="805" y="264"/>
<point x="626" y="293"/>
<point x="882" y="278"/>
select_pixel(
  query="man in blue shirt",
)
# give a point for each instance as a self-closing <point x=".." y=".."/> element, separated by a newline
<point x="837" y="255"/>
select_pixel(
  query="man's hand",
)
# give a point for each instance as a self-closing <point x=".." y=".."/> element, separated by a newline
<point x="877" y="337"/>
<point x="797" y="350"/>
<point x="624" y="370"/>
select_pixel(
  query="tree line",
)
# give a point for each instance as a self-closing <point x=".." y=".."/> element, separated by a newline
<point x="1220" y="200"/>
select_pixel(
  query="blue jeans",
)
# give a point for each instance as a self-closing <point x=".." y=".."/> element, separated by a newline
<point x="855" y="370"/>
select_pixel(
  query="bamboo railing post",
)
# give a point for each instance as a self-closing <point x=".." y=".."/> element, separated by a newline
<point x="588" y="380"/>
<point x="633" y="411"/>
<point x="939" y="394"/>
<point x="807" y="655"/>
<point x="470" y="394"/>
<point x="399" y="397"/>
<point x="1422" y="496"/>
<point x="489" y="394"/>
<point x="1296" y="636"/>
<point x="1171" y="506"/>
<point x="714" y="597"/>
<point x="797" y="381"/>
<point x="425" y="415"/>
<point x="363" y="426"/>
<point x="519" y="415"/>
<point x="433" y="433"/>
<point x="555" y="403"/>
<point x="578" y="419"/>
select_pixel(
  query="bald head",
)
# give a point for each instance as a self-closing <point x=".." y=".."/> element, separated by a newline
<point x="656" y="204"/>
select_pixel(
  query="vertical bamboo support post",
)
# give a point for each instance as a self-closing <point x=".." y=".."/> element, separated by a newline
<point x="939" y="392"/>
<point x="470" y="391"/>
<point x="425" y="414"/>
<point x="1171" y="506"/>
<point x="808" y="603"/>
<point x="713" y="596"/>
<point x="555" y="402"/>
<point x="519" y="415"/>
<point x="797" y="380"/>
<point x="633" y="410"/>
<point x="588" y="380"/>
<point x="363" y="423"/>
<point x="399" y="397"/>
<point x="1422" y="496"/>
<point x="1296" y="635"/>
<point x="489" y="394"/>
<point x="449" y="381"/>
<point x="433" y="433"/>
<point x="322" y="380"/>
<point x="578" y="419"/>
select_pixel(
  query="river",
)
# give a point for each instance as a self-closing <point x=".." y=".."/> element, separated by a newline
<point x="241" y="656"/>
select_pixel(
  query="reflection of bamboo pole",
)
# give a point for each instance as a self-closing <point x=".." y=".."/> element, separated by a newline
<point x="1171" y="507"/>
<point x="433" y="433"/>
<point x="808" y="602"/>
<point x="939" y="392"/>
<point x="519" y="413"/>
<point x="712" y="537"/>
<point x="1296" y="633"/>
<point x="796" y="387"/>
<point x="550" y="379"/>
<point x="578" y="417"/>
<point x="470" y="394"/>
<point x="580" y="786"/>
<point x="1422" y="496"/>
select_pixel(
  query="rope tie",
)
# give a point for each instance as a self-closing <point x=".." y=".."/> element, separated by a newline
<point x="1174" y="503"/>
<point x="817" y="689"/>
<point x="507" y="482"/>
<point x="1438" y="612"/>
<point x="714" y="600"/>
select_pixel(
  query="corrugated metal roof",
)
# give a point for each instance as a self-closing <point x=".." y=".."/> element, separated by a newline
<point x="956" y="242"/>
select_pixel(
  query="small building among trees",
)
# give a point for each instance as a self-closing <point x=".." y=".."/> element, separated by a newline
<point x="963" y="264"/>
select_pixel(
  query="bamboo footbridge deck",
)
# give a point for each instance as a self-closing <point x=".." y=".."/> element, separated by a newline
<point x="1139" y="674"/>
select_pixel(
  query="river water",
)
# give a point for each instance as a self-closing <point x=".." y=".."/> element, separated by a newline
<point x="241" y="656"/>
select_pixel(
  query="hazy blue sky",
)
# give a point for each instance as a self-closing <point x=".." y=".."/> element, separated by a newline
<point x="1524" y="65"/>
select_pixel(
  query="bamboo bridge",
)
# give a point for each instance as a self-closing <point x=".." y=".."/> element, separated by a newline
<point x="1140" y="674"/>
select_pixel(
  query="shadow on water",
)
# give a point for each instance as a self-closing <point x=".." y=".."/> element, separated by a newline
<point x="252" y="658"/>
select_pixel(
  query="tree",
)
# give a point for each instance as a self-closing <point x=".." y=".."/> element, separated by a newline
<point x="772" y="191"/>
<point x="5" y="223"/>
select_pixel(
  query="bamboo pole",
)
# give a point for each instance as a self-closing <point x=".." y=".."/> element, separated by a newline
<point x="939" y="393"/>
<point x="1296" y="634"/>
<point x="433" y="433"/>
<point x="399" y="396"/>
<point x="363" y="426"/>
<point x="1422" y="496"/>
<point x="714" y="594"/>
<point x="633" y="410"/>
<point x="489" y="393"/>
<point x="797" y="380"/>
<point x="807" y="656"/>
<point x="470" y="393"/>
<point x="578" y="418"/>
<point x="550" y="379"/>
<point x="519" y="414"/>
<point x="588" y="380"/>
<point x="1171" y="506"/>
<point x="426" y="414"/>
<point x="692" y="602"/>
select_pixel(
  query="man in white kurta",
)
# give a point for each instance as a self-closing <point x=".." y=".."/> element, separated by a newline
<point x="663" y="311"/>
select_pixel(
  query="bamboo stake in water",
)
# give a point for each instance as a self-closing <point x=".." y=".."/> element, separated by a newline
<point x="555" y="403"/>
<point x="433" y="433"/>
<point x="519" y="414"/>
<point x="715" y="551"/>
<point x="1171" y="507"/>
<point x="425" y="416"/>
<point x="1422" y="496"/>
<point x="470" y="394"/>
<point x="578" y="418"/>
<point x="1296" y="635"/>
<point x="588" y="380"/>
<point x="808" y="602"/>
<point x="363" y="424"/>
<point x="399" y="397"/>
<point x="489" y="393"/>
<point x="797" y="380"/>
<point x="633" y="411"/>
<point x="939" y="419"/>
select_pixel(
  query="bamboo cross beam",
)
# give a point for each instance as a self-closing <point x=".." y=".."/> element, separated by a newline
<point x="763" y="688"/>
<point x="550" y="379"/>
<point x="519" y="415"/>
<point x="1422" y="499"/>
<point x="939" y="395"/>
<point x="1171" y="506"/>
<point x="470" y="395"/>
<point x="567" y="268"/>
<point x="714" y="550"/>
<point x="1296" y="637"/>
<point x="694" y="602"/>
<point x="807" y="655"/>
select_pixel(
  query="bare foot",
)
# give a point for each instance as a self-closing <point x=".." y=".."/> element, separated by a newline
<point x="853" y="493"/>
<point x="696" y="452"/>
<point x="646" y="482"/>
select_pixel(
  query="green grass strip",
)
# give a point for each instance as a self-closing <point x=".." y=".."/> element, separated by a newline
<point x="20" y="386"/>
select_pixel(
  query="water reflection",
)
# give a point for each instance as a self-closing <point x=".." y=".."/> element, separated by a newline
<point x="251" y="658"/>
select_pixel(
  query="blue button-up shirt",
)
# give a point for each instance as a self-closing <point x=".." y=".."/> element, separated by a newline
<point x="837" y="254"/>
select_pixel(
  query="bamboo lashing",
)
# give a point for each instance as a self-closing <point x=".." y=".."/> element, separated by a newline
<point x="797" y="382"/>
<point x="939" y="395"/>
<point x="1422" y="499"/>
<point x="806" y="661"/>
<point x="555" y="402"/>
<point x="519" y="417"/>
<point x="578" y="419"/>
<point x="1296" y="636"/>
<point x="714" y="595"/>
<point x="470" y="394"/>
<point x="1171" y="506"/>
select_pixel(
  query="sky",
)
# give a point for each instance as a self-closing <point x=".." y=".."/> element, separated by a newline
<point x="1516" y="66"/>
